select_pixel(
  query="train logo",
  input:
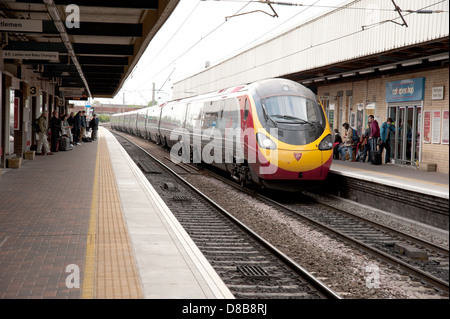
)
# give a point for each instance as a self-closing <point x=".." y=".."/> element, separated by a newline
<point x="298" y="156"/>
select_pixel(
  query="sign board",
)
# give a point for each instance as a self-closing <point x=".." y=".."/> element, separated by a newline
<point x="16" y="113"/>
<point x="33" y="90"/>
<point x="405" y="90"/>
<point x="20" y="25"/>
<point x="71" y="91"/>
<point x="83" y="98"/>
<point x="437" y="93"/>
<point x="427" y="127"/>
<point x="436" y="127"/>
<point x="445" y="138"/>
<point x="31" y="55"/>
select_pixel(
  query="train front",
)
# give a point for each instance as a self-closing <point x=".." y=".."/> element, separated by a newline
<point x="294" y="142"/>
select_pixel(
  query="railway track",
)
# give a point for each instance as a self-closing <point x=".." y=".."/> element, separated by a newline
<point x="420" y="258"/>
<point x="430" y="262"/>
<point x="249" y="265"/>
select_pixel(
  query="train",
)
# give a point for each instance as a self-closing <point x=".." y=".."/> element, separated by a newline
<point x="271" y="134"/>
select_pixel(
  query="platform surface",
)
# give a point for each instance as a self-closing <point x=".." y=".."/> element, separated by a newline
<point x="87" y="224"/>
<point x="404" y="177"/>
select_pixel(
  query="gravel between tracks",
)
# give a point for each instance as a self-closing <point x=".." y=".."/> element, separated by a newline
<point x="339" y="266"/>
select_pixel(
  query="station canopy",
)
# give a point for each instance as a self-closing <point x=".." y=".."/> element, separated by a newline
<point x="88" y="46"/>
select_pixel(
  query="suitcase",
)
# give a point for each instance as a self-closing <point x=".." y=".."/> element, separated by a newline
<point x="64" y="144"/>
<point x="376" y="157"/>
<point x="375" y="154"/>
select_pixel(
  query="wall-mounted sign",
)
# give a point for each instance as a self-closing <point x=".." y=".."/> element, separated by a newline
<point x="405" y="90"/>
<point x="436" y="127"/>
<point x="437" y="93"/>
<point x="33" y="90"/>
<point x="20" y="25"/>
<point x="427" y="127"/>
<point x="71" y="91"/>
<point x="445" y="138"/>
<point x="16" y="113"/>
<point x="31" y="55"/>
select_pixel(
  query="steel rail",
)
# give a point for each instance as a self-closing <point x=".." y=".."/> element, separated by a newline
<point x="437" y="282"/>
<point x="317" y="284"/>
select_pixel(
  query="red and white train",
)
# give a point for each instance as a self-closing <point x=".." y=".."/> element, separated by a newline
<point x="272" y="133"/>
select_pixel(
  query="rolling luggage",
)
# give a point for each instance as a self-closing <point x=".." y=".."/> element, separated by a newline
<point x="375" y="154"/>
<point x="64" y="143"/>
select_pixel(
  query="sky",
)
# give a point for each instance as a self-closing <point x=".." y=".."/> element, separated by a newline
<point x="200" y="31"/>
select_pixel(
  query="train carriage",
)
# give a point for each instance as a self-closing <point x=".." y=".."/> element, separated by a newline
<point x="271" y="133"/>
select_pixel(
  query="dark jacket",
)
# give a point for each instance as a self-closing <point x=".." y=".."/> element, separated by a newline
<point x="71" y="121"/>
<point x="55" y="124"/>
<point x="77" y="120"/>
<point x="93" y="124"/>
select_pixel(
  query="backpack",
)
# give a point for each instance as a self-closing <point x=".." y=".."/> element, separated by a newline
<point x="36" y="128"/>
<point x="355" y="136"/>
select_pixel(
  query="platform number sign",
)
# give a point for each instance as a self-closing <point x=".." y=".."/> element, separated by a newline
<point x="33" y="90"/>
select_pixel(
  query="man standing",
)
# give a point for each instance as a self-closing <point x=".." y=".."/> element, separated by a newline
<point x="55" y="127"/>
<point x="93" y="124"/>
<point x="374" y="136"/>
<point x="43" y="126"/>
<point x="385" y="134"/>
<point x="77" y="128"/>
<point x="83" y="125"/>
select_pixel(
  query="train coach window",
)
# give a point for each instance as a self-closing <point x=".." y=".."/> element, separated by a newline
<point x="246" y="110"/>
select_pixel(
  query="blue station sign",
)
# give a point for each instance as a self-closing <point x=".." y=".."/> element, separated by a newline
<point x="405" y="90"/>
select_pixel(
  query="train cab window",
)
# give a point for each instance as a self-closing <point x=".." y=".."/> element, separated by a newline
<point x="292" y="109"/>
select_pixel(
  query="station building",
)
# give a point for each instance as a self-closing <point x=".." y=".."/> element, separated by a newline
<point x="366" y="57"/>
<point x="55" y="52"/>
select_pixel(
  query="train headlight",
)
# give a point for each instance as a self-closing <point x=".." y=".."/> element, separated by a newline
<point x="265" y="142"/>
<point x="326" y="143"/>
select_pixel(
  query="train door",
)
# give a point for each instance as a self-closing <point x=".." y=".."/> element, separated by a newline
<point x="408" y="124"/>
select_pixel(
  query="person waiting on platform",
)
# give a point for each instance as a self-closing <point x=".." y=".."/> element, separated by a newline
<point x="337" y="142"/>
<point x="42" y="133"/>
<point x="71" y="121"/>
<point x="385" y="135"/>
<point x="93" y="124"/>
<point x="83" y="125"/>
<point x="65" y="128"/>
<point x="77" y="129"/>
<point x="55" y="128"/>
<point x="374" y="136"/>
<point x="364" y="146"/>
<point x="348" y="143"/>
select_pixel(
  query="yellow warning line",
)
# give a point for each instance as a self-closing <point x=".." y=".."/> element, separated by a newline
<point x="110" y="270"/>
<point x="89" y="268"/>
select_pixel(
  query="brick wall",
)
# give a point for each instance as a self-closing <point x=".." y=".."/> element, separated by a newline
<point x="373" y="90"/>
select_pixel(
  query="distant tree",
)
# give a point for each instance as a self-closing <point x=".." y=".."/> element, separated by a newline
<point x="151" y="103"/>
<point x="102" y="118"/>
